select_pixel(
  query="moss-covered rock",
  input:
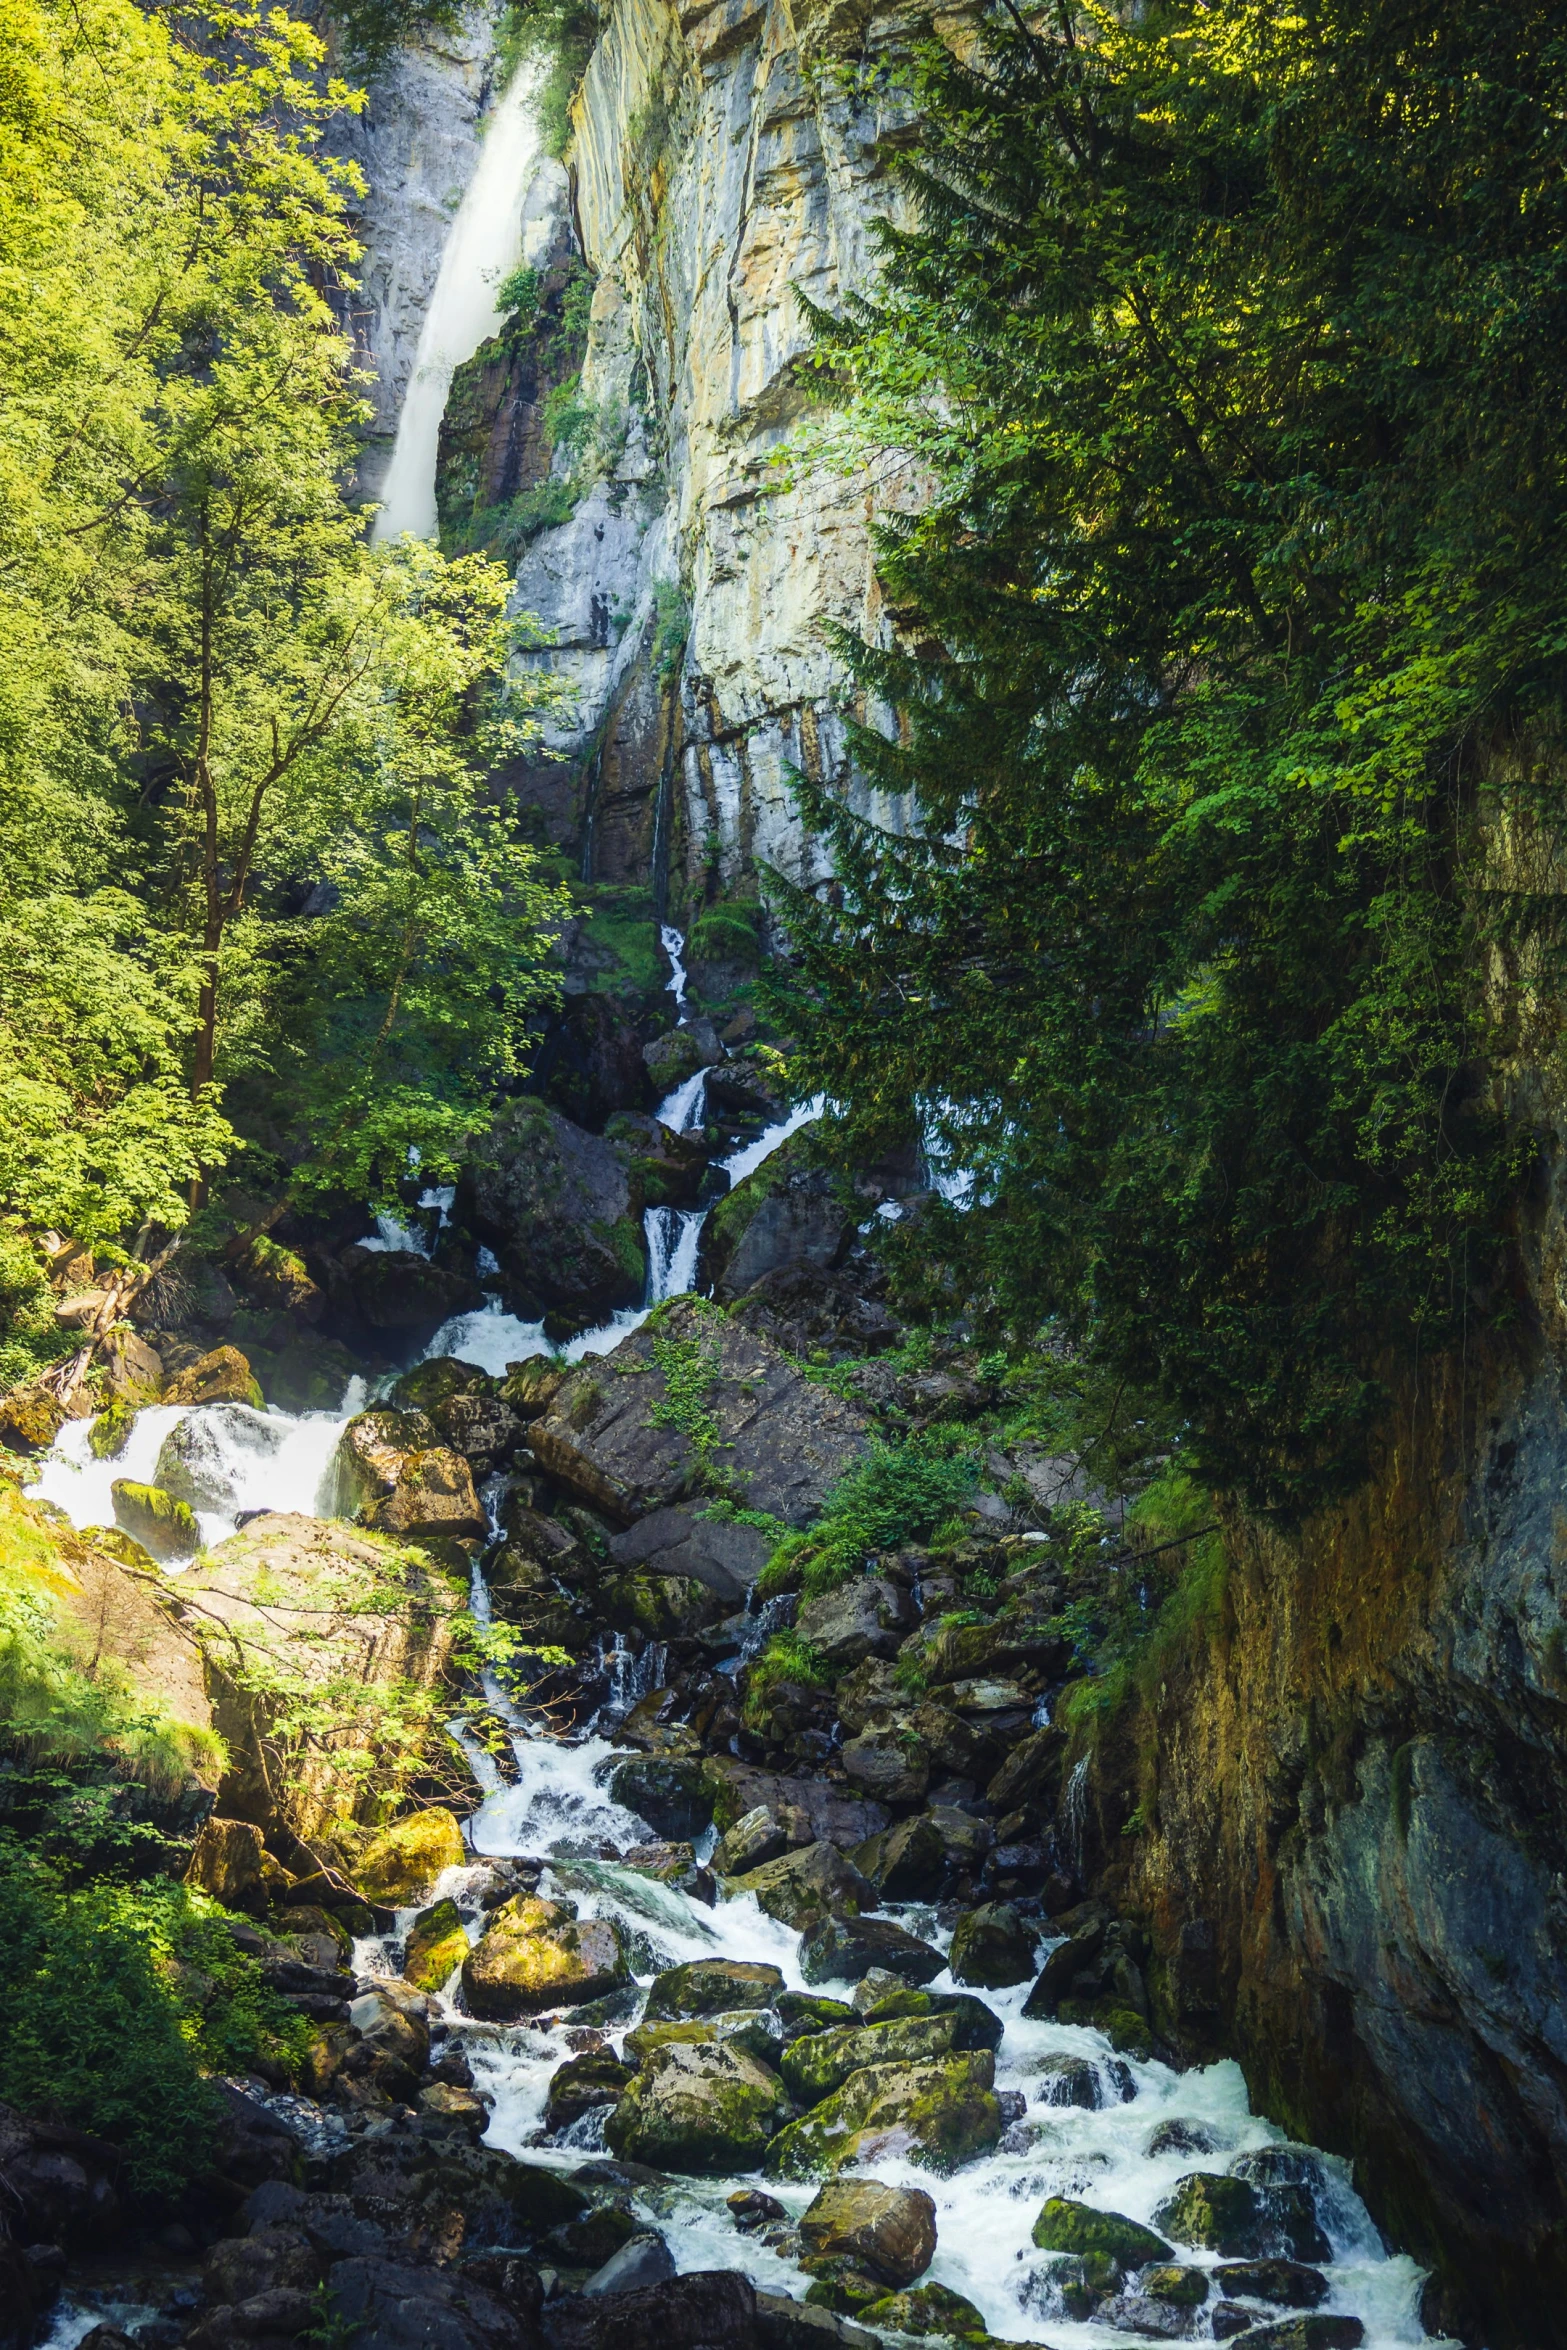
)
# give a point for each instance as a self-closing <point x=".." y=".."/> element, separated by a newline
<point x="1307" y="2333"/>
<point x="1288" y="2284"/>
<point x="801" y="1888"/>
<point x="844" y="1950"/>
<point x="840" y="2284"/>
<point x="535" y="1955"/>
<point x="437" y="1946"/>
<point x="755" y="2029"/>
<point x="1179" y="2288"/>
<point x="223" y="1376"/>
<point x="1067" y="2226"/>
<point x="595" y="2078"/>
<point x="710" y="1987"/>
<point x="804" y="2011"/>
<point x="928" y="2309"/>
<point x="155" y="1519"/>
<point x="814" y="2067"/>
<point x="1214" y="2213"/>
<point x="974" y="2024"/>
<point x="938" y="2116"/>
<point x="110" y="1432"/>
<point x="403" y="1862"/>
<point x="991" y="1947"/>
<point x="703" y="2109"/>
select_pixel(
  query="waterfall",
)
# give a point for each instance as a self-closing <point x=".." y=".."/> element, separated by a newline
<point x="484" y="245"/>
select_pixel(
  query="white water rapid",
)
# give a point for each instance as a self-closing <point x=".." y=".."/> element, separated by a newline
<point x="232" y="1460"/>
<point x="485" y="244"/>
<point x="1153" y="2125"/>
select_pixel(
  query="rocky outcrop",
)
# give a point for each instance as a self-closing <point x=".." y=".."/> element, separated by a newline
<point x="691" y="1404"/>
<point x="561" y="1211"/>
<point x="317" y="1640"/>
<point x="1343" y="1793"/>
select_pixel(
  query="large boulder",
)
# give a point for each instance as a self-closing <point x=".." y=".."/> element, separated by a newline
<point x="707" y="2309"/>
<point x="889" y="1763"/>
<point x="809" y="1811"/>
<point x="742" y="1417"/>
<point x="709" y="1987"/>
<point x="991" y="1947"/>
<point x="437" y="1946"/>
<point x="890" y="2230"/>
<point x="1214" y="2212"/>
<point x="223" y="1376"/>
<point x="801" y="1888"/>
<point x="1065" y="2225"/>
<point x="394" y="1472"/>
<point x="785" y="1213"/>
<point x="718" y="1552"/>
<point x="668" y="1791"/>
<point x="813" y="2067"/>
<point x="535" y="1955"/>
<point x="905" y="1863"/>
<point x="164" y="1525"/>
<point x="843" y="1950"/>
<point x="310" y="1630"/>
<point x="402" y="1863"/>
<point x="703" y="2107"/>
<point x="867" y="1616"/>
<point x="938" y="2116"/>
<point x="560" y="1209"/>
<point x="399" y="1296"/>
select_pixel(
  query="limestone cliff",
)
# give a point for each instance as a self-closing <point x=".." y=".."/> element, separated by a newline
<point x="722" y="157"/>
<point x="1339" y="1802"/>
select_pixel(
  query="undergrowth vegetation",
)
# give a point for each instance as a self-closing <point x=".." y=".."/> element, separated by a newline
<point x="118" y="2001"/>
<point x="901" y="1493"/>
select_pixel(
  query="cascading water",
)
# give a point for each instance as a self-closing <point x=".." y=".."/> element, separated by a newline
<point x="485" y="243"/>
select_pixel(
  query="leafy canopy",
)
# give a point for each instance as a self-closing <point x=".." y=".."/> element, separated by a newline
<point x="1229" y="346"/>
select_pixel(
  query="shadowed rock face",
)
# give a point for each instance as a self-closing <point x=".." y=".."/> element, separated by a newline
<point x="561" y="1211"/>
<point x="758" y="1427"/>
<point x="1351" y="1873"/>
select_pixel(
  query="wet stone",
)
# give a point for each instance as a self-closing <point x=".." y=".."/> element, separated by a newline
<point x="1289" y="2284"/>
<point x="841" y="1950"/>
<point x="705" y="2108"/>
<point x="890" y="2230"/>
<point x="1065" y="2225"/>
<point x="1214" y="2213"/>
<point x="1070" y="2080"/>
<point x="929" y="2309"/>
<point x="709" y="1987"/>
<point x="581" y="2083"/>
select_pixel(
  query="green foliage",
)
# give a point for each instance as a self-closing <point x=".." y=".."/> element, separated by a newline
<point x="1231" y="681"/>
<point x="786" y="1657"/>
<point x="372" y="29"/>
<point x="559" y="35"/>
<point x="900" y="1493"/>
<point x="30" y="1338"/>
<point x="671" y="630"/>
<point x="218" y="703"/>
<point x="620" y="920"/>
<point x="118" y="2000"/>
<point x="691" y="1370"/>
<point x="730" y="932"/>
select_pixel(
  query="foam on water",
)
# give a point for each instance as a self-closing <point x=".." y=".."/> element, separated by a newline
<point x="559" y="1811"/>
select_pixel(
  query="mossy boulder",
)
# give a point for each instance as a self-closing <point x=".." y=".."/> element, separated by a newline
<point x="814" y="2067"/>
<point x="668" y="1791"/>
<point x="710" y="1987"/>
<point x="160" y="1523"/>
<point x="223" y="1376"/>
<point x="597" y="2077"/>
<point x="1288" y="2284"/>
<point x="937" y="2116"/>
<point x="888" y="2230"/>
<point x="1307" y="2333"/>
<point x="929" y="2309"/>
<point x="402" y="1863"/>
<point x="702" y="2109"/>
<point x="991" y="1947"/>
<point x="804" y="2011"/>
<point x="974" y="2024"/>
<point x="535" y="1955"/>
<point x="844" y="1950"/>
<point x="1177" y="2288"/>
<point x="437" y="1946"/>
<point x="111" y="1431"/>
<point x="1215" y="2213"/>
<point x="1067" y="2226"/>
<point x="756" y="2030"/>
<point x="801" y="1888"/>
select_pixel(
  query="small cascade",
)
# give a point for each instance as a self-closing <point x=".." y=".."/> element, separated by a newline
<point x="1074" y="1807"/>
<point x="675" y="948"/>
<point x="632" y="1674"/>
<point x="673" y="1235"/>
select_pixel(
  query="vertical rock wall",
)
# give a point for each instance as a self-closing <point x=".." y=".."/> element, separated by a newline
<point x="722" y="157"/>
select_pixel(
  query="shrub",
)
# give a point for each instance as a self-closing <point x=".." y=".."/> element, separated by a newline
<point x="900" y="1493"/>
<point x="118" y="2000"/>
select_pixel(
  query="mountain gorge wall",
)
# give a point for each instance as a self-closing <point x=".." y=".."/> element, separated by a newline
<point x="1337" y="1801"/>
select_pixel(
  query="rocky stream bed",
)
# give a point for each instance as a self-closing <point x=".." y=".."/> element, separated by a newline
<point x="710" y="2023"/>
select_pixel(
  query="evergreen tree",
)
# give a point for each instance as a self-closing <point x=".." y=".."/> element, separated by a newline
<point x="1228" y="666"/>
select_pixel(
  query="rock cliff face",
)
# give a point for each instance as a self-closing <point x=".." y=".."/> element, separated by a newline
<point x="1340" y="1804"/>
<point x="722" y="158"/>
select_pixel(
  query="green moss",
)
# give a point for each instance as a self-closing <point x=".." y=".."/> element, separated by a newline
<point x="118" y="2001"/>
<point x="928" y="2309"/>
<point x="110" y="1432"/>
<point x="899" y="1494"/>
<point x="1067" y="2226"/>
<point x="621" y="922"/>
<point x="730" y="932"/>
